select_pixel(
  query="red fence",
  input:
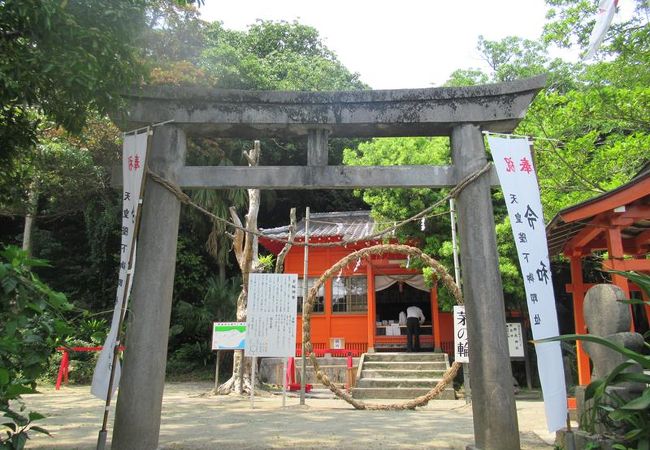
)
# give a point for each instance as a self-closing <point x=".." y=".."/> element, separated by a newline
<point x="64" y="367"/>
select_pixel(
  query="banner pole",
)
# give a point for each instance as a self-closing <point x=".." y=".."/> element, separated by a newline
<point x="253" y="364"/>
<point x="284" y="382"/>
<point x="452" y="214"/>
<point x="216" y="374"/>
<point x="101" y="438"/>
<point x="305" y="290"/>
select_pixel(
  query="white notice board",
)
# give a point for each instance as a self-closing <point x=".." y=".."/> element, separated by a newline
<point x="461" y="343"/>
<point x="515" y="340"/>
<point x="271" y="315"/>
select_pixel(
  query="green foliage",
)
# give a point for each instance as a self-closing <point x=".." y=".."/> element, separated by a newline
<point x="392" y="205"/>
<point x="267" y="262"/>
<point x="30" y="329"/>
<point x="191" y="270"/>
<point x="18" y="427"/>
<point x="466" y="77"/>
<point x="65" y="58"/>
<point x="274" y="55"/>
<point x="58" y="175"/>
<point x="596" y="116"/>
<point x="32" y="323"/>
<point x="570" y="23"/>
<point x="191" y="332"/>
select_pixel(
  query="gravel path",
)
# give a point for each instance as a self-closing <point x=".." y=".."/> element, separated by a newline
<point x="195" y="421"/>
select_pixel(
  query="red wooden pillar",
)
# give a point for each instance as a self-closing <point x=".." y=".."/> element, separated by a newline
<point x="578" y="288"/>
<point x="371" y="307"/>
<point x="616" y="262"/>
<point x="328" y="310"/>
<point x="616" y="255"/>
<point x="435" y="319"/>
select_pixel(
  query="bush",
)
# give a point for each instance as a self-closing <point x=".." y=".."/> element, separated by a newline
<point x="32" y="326"/>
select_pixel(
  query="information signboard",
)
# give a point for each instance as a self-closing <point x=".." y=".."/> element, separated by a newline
<point x="515" y="340"/>
<point x="271" y="315"/>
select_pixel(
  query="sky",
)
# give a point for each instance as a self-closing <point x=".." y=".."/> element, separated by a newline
<point x="396" y="44"/>
<point x="402" y="43"/>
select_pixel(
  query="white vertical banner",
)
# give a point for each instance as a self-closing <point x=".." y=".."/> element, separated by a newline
<point x="134" y="151"/>
<point x="461" y="344"/>
<point x="606" y="11"/>
<point x="271" y="315"/>
<point x="514" y="166"/>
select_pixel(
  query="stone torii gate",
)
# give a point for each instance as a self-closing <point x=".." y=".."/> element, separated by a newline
<point x="459" y="113"/>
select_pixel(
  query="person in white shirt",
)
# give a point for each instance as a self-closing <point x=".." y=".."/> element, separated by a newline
<point x="414" y="317"/>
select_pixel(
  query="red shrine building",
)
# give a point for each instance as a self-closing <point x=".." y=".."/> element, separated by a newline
<point x="359" y="308"/>
<point x="616" y="222"/>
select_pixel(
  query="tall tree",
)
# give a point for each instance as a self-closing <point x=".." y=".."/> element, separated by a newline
<point x="64" y="58"/>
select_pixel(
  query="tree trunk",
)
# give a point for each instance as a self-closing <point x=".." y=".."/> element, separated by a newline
<point x="244" y="246"/>
<point x="222" y="271"/>
<point x="30" y="218"/>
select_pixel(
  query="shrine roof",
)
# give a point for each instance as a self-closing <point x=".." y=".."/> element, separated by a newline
<point x="629" y="203"/>
<point x="342" y="225"/>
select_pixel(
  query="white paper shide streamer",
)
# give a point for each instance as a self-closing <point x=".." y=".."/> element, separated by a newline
<point x="514" y="166"/>
<point x="133" y="153"/>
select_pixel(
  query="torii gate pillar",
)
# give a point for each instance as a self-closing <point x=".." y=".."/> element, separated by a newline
<point x="493" y="398"/>
<point x="137" y="420"/>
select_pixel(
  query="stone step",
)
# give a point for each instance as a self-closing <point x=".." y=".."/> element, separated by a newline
<point x="401" y="373"/>
<point x="427" y="383"/>
<point x="401" y="393"/>
<point x="429" y="357"/>
<point x="405" y="365"/>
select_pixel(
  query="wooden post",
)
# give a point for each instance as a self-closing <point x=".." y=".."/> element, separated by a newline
<point x="435" y="319"/>
<point x="578" y="288"/>
<point x="305" y="291"/>
<point x="216" y="372"/>
<point x="371" y="307"/>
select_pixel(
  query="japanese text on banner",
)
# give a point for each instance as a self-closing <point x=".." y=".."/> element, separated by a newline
<point x="134" y="152"/>
<point x="514" y="165"/>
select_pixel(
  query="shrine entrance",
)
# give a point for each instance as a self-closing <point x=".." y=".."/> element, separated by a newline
<point x="393" y="294"/>
<point x="461" y="114"/>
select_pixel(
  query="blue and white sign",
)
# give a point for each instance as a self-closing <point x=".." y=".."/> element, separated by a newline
<point x="228" y="335"/>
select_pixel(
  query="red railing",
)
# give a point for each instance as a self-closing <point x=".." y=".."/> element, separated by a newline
<point x="64" y="367"/>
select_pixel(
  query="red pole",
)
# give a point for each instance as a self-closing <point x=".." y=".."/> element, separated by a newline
<point x="62" y="366"/>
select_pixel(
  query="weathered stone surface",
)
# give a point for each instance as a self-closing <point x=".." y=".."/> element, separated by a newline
<point x="606" y="316"/>
<point x="401" y="112"/>
<point x="324" y="177"/>
<point x="609" y="318"/>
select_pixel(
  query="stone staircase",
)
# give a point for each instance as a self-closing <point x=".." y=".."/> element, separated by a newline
<point x="401" y="375"/>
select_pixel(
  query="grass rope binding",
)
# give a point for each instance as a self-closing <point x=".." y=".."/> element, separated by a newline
<point x="441" y="274"/>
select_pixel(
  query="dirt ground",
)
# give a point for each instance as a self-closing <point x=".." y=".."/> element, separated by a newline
<point x="194" y="421"/>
